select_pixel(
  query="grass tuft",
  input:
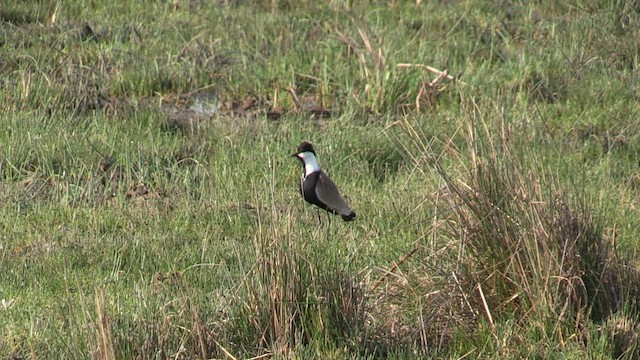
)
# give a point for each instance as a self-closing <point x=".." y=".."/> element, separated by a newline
<point x="527" y="250"/>
<point x="290" y="300"/>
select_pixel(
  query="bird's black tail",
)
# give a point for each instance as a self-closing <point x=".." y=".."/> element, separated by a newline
<point x="349" y="217"/>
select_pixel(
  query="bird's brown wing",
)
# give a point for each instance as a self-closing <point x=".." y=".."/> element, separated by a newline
<point x="327" y="192"/>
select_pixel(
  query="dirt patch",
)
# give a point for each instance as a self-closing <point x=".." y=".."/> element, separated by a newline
<point x="188" y="113"/>
<point x="140" y="191"/>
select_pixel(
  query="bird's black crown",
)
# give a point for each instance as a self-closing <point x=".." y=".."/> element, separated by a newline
<point x="306" y="146"/>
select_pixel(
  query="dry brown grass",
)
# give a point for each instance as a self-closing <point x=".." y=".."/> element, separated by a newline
<point x="105" y="349"/>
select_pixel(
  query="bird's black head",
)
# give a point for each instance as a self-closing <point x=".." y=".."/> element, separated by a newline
<point x="304" y="147"/>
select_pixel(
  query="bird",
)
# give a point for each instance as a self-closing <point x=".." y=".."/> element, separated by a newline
<point x="317" y="188"/>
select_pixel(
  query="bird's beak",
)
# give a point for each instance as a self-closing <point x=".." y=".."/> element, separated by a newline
<point x="294" y="155"/>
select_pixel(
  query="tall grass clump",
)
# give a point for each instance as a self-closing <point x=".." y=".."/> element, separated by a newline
<point x="295" y="297"/>
<point x="525" y="251"/>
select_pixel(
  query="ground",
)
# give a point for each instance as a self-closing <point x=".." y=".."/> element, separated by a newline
<point x="150" y="209"/>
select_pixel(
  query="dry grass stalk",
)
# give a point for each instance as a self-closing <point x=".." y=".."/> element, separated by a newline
<point x="439" y="73"/>
<point x="375" y="55"/>
<point x="485" y="306"/>
<point x="105" y="350"/>
<point x="429" y="90"/>
<point x="394" y="267"/>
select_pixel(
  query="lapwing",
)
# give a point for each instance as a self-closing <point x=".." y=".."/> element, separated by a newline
<point x="317" y="188"/>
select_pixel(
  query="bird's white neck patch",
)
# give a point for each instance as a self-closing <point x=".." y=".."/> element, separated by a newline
<point x="310" y="162"/>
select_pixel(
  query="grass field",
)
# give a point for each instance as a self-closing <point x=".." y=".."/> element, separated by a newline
<point x="150" y="209"/>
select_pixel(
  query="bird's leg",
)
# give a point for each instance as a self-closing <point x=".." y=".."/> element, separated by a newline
<point x="328" y="226"/>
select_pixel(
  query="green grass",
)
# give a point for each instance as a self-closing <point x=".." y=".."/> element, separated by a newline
<point x="497" y="212"/>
